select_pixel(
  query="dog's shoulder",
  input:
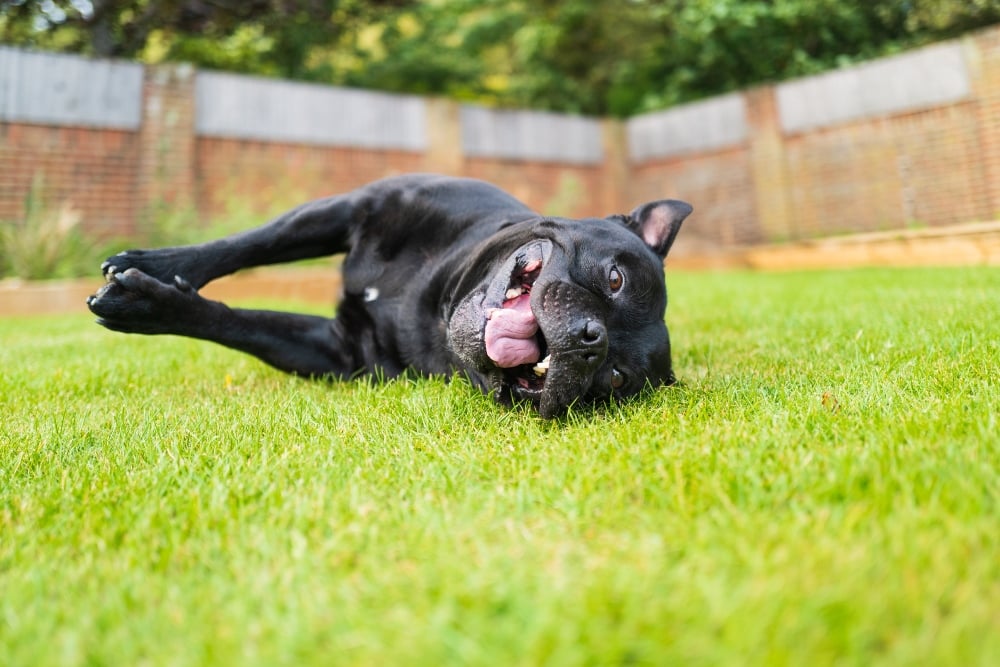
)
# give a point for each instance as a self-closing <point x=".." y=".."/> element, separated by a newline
<point x="449" y="195"/>
<point x="429" y="213"/>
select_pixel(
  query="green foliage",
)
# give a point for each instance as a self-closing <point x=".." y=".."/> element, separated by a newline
<point x="592" y="56"/>
<point x="821" y="489"/>
<point x="46" y="242"/>
<point x="565" y="198"/>
<point x="275" y="36"/>
<point x="166" y="225"/>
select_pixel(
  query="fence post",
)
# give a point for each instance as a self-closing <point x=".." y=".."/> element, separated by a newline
<point x="444" y="137"/>
<point x="767" y="164"/>
<point x="166" y="160"/>
<point x="616" y="195"/>
<point x="982" y="57"/>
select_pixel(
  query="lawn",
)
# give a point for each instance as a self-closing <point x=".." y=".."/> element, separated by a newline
<point x="823" y="488"/>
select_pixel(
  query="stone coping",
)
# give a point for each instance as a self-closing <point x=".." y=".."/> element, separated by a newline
<point x="967" y="244"/>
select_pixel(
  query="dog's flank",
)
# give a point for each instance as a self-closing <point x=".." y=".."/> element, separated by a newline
<point x="441" y="275"/>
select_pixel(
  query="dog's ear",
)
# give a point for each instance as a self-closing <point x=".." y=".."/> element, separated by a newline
<point x="658" y="222"/>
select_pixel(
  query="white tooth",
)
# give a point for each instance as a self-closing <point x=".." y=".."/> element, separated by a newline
<point x="542" y="367"/>
<point x="513" y="293"/>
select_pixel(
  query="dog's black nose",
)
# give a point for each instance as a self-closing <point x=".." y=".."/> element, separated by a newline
<point x="593" y="334"/>
<point x="592" y="340"/>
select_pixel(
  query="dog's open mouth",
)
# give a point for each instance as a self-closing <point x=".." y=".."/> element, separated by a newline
<point x="513" y="338"/>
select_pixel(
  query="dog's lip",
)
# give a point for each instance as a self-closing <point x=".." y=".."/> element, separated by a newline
<point x="535" y="250"/>
<point x="564" y="385"/>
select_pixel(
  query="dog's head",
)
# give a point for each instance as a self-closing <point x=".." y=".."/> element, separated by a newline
<point x="569" y="310"/>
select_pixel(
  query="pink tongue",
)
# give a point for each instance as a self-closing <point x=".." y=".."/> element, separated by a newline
<point x="510" y="334"/>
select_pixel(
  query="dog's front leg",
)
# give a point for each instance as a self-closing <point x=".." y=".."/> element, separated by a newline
<point x="316" y="229"/>
<point x="133" y="302"/>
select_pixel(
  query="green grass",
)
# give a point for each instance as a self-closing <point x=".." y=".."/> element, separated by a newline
<point x="821" y="490"/>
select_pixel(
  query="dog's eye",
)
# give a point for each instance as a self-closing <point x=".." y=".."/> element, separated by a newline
<point x="617" y="379"/>
<point x="615" y="279"/>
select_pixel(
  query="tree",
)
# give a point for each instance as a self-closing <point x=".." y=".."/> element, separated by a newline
<point x="261" y="36"/>
<point x="600" y="57"/>
<point x="619" y="57"/>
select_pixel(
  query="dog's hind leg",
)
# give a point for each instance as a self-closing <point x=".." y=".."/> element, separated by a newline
<point x="315" y="229"/>
<point x="133" y="302"/>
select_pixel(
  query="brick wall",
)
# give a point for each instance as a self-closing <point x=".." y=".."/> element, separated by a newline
<point x="720" y="187"/>
<point x="265" y="178"/>
<point x="916" y="169"/>
<point x="567" y="191"/>
<point x="907" y="141"/>
<point x="93" y="169"/>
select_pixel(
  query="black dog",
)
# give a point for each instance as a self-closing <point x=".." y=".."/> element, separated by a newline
<point x="442" y="275"/>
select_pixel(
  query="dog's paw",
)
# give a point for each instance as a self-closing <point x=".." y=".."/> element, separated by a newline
<point x="164" y="265"/>
<point x="134" y="302"/>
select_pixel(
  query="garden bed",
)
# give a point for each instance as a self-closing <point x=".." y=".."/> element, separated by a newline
<point x="973" y="244"/>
